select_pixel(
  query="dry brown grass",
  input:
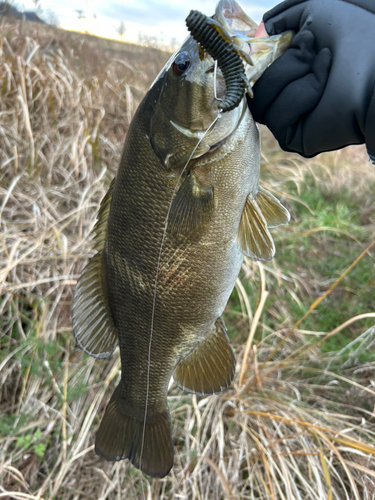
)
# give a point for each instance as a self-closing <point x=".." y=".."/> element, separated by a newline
<point x="301" y="423"/>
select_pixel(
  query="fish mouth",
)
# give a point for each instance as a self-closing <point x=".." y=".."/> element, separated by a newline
<point x="216" y="135"/>
<point x="217" y="145"/>
<point x="192" y="164"/>
<point x="200" y="136"/>
<point x="182" y="170"/>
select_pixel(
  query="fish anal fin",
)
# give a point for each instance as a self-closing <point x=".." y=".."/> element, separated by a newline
<point x="210" y="368"/>
<point x="273" y="211"/>
<point x="93" y="327"/>
<point x="120" y="436"/>
<point x="254" y="239"/>
<point x="191" y="210"/>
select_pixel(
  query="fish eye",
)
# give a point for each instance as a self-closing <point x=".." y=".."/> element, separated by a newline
<point x="181" y="63"/>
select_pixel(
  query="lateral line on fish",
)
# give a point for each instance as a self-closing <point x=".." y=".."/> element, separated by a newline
<point x="157" y="274"/>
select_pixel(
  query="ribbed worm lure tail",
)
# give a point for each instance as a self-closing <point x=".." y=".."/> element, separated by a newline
<point x="212" y="37"/>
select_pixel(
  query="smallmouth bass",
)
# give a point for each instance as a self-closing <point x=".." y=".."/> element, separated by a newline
<point x="183" y="210"/>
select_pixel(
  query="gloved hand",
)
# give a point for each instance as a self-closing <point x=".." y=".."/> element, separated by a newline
<point x="308" y="103"/>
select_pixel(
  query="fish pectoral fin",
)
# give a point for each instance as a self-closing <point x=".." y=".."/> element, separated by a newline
<point x="191" y="210"/>
<point x="122" y="434"/>
<point x="210" y="368"/>
<point x="273" y="211"/>
<point x="92" y="324"/>
<point x="254" y="239"/>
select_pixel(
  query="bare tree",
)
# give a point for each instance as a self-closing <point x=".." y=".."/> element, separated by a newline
<point x="81" y="14"/>
<point x="121" y="30"/>
<point x="5" y="7"/>
<point x="148" y="40"/>
<point x="174" y="43"/>
<point x="50" y="17"/>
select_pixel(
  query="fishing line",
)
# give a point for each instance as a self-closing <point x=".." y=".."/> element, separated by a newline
<point x="157" y="274"/>
<point x="215" y="88"/>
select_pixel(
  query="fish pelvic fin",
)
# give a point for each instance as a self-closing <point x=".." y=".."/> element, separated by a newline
<point x="210" y="368"/>
<point x="120" y="436"/>
<point x="254" y="239"/>
<point x="191" y="210"/>
<point x="93" y="327"/>
<point x="273" y="211"/>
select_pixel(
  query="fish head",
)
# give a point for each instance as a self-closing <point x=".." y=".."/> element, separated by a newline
<point x="186" y="106"/>
<point x="186" y="121"/>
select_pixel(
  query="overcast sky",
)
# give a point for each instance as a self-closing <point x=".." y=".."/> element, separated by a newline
<point x="162" y="18"/>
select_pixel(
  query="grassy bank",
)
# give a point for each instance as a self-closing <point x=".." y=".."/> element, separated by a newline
<point x="298" y="421"/>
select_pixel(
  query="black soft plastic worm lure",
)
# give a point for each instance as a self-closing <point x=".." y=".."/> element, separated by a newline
<point x="211" y="37"/>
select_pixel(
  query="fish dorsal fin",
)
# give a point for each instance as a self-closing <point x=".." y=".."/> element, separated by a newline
<point x="92" y="323"/>
<point x="191" y="210"/>
<point x="254" y="239"/>
<point x="210" y="367"/>
<point x="100" y="228"/>
<point x="273" y="211"/>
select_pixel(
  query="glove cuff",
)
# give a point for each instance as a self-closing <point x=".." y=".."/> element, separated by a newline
<point x="364" y="4"/>
<point x="277" y="14"/>
<point x="369" y="131"/>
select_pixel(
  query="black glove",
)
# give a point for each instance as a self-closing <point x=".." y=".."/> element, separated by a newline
<point x="309" y="105"/>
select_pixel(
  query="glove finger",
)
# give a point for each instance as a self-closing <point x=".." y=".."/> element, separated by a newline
<point x="322" y="65"/>
<point x="293" y="65"/>
<point x="297" y="99"/>
<point x="304" y="41"/>
<point x="285" y="16"/>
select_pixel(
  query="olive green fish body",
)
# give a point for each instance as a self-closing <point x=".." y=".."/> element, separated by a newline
<point x="172" y="231"/>
<point x="195" y="279"/>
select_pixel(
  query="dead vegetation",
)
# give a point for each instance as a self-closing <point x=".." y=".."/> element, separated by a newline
<point x="298" y="422"/>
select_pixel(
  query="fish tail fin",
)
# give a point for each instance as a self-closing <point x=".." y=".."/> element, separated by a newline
<point x="122" y="434"/>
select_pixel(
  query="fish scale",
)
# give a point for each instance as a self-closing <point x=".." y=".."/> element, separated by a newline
<point x="169" y="252"/>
